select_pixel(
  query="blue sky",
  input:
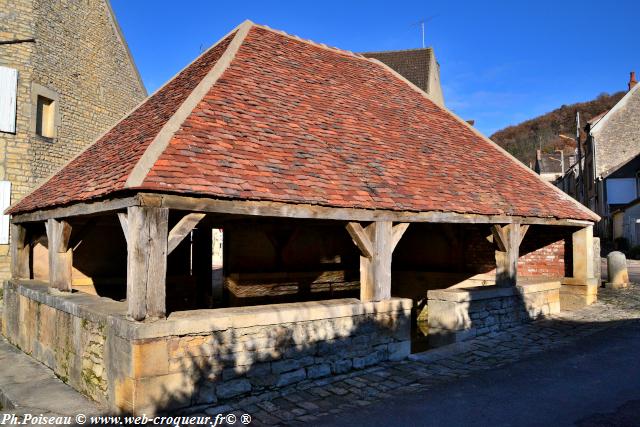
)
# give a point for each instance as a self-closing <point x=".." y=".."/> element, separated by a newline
<point x="501" y="62"/>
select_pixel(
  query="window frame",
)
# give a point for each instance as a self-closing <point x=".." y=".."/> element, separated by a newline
<point x="38" y="91"/>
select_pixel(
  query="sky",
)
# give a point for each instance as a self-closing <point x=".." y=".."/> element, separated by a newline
<point x="501" y="62"/>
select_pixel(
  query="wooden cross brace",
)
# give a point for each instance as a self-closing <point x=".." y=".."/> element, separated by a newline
<point x="376" y="243"/>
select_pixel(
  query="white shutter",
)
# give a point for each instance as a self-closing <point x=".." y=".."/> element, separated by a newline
<point x="5" y="201"/>
<point x="8" y="88"/>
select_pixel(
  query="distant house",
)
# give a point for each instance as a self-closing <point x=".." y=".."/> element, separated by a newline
<point x="625" y="222"/>
<point x="550" y="166"/>
<point x="610" y="178"/>
<point x="419" y="66"/>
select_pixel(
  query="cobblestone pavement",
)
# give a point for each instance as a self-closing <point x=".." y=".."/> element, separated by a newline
<point x="308" y="401"/>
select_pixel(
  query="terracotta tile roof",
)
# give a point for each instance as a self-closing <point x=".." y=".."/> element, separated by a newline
<point x="292" y="121"/>
<point x="413" y="64"/>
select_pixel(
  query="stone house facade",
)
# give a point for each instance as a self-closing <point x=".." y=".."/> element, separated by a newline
<point x="611" y="162"/>
<point x="71" y="76"/>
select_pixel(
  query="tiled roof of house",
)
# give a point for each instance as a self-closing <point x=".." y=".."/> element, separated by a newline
<point x="267" y="116"/>
<point x="413" y="64"/>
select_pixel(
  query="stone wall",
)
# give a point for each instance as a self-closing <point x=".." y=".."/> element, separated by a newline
<point x="461" y="314"/>
<point x="73" y="346"/>
<point x="199" y="356"/>
<point x="78" y="54"/>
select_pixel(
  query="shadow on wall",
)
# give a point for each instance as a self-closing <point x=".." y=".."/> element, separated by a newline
<point x="172" y="400"/>
<point x="212" y="368"/>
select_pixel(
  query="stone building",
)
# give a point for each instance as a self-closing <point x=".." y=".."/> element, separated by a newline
<point x="349" y="200"/>
<point x="419" y="66"/>
<point x="66" y="75"/>
<point x="611" y="163"/>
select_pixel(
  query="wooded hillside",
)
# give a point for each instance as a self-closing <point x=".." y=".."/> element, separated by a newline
<point x="523" y="140"/>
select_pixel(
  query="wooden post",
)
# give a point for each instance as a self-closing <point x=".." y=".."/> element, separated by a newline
<point x="202" y="257"/>
<point x="60" y="254"/>
<point x="376" y="243"/>
<point x="147" y="229"/>
<point x="508" y="239"/>
<point x="20" y="253"/>
<point x="582" y="246"/>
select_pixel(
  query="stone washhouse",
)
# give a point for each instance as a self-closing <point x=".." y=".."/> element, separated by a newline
<point x="361" y="221"/>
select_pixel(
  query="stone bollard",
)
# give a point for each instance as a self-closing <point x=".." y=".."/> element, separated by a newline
<point x="617" y="269"/>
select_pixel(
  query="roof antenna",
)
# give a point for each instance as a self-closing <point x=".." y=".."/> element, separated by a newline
<point x="422" y="23"/>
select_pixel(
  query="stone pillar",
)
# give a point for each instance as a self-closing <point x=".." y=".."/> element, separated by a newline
<point x="581" y="289"/>
<point x="147" y="230"/>
<point x="617" y="270"/>
<point x="583" y="254"/>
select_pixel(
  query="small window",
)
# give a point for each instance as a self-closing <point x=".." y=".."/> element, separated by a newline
<point x="45" y="105"/>
<point x="46" y="117"/>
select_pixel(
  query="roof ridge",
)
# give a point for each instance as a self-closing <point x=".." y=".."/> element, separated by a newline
<point x="161" y="141"/>
<point x="311" y="42"/>
<point x="562" y="194"/>
<point x="415" y="49"/>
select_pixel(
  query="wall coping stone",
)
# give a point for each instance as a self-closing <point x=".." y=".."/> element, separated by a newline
<point x="104" y="310"/>
<point x="478" y="293"/>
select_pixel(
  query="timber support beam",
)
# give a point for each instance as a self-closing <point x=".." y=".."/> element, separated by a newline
<point x="147" y="236"/>
<point x="376" y="243"/>
<point x="20" y="252"/>
<point x="60" y="254"/>
<point x="507" y="238"/>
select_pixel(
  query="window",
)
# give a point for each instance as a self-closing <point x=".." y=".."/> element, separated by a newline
<point x="45" y="117"/>
<point x="8" y="90"/>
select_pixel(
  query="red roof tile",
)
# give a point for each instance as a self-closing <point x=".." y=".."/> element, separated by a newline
<point x="291" y="121"/>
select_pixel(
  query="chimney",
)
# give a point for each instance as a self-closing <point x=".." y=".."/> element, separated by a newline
<point x="632" y="80"/>
<point x="538" y="155"/>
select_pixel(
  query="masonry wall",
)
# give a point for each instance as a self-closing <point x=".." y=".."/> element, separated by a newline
<point x="198" y="357"/>
<point x="80" y="56"/>
<point x="460" y="314"/>
<point x="71" y="345"/>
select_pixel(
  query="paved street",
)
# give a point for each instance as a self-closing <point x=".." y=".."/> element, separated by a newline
<point x="511" y="378"/>
<point x="577" y="368"/>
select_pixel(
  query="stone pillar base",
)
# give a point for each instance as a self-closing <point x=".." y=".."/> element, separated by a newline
<point x="616" y="285"/>
<point x="575" y="294"/>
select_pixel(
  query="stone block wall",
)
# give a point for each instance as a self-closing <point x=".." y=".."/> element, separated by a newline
<point x="200" y="356"/>
<point x="78" y="54"/>
<point x="306" y="342"/>
<point x="460" y="314"/>
<point x="72" y="346"/>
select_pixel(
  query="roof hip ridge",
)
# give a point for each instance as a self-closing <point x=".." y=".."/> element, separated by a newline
<point x="161" y="141"/>
<point x="311" y="42"/>
<point x="559" y="192"/>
